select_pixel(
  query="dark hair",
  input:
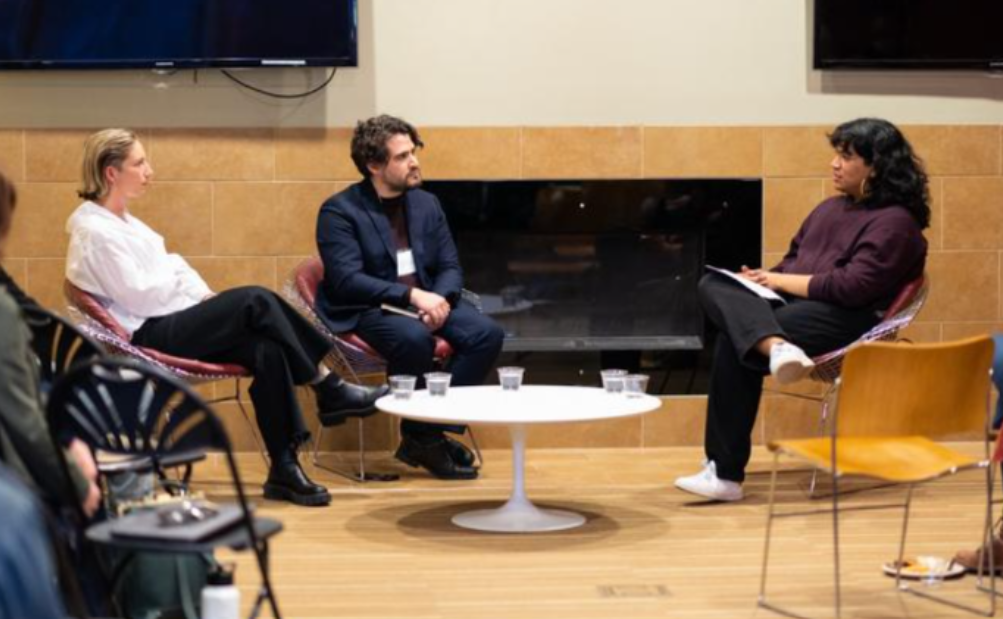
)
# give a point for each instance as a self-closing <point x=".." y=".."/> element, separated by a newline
<point x="8" y="200"/>
<point x="898" y="177"/>
<point x="369" y="142"/>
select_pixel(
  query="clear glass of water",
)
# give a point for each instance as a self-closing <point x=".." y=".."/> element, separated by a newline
<point x="935" y="568"/>
<point x="402" y="386"/>
<point x="635" y="385"/>
<point x="438" y="383"/>
<point x="510" y="377"/>
<point x="612" y="380"/>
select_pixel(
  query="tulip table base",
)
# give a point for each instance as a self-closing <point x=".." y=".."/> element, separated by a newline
<point x="518" y="514"/>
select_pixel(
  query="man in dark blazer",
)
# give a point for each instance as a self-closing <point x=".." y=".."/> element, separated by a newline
<point x="385" y="241"/>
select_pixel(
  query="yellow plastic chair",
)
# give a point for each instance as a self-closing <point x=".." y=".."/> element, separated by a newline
<point x="892" y="401"/>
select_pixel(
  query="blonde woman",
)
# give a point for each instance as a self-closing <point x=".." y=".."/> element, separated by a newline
<point x="164" y="303"/>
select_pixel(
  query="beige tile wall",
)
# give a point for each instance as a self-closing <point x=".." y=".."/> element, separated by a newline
<point x="240" y="204"/>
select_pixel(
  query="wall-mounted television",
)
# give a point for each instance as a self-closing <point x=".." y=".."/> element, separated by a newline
<point x="169" y="34"/>
<point x="908" y="34"/>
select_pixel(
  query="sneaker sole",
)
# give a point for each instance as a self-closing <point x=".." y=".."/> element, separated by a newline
<point x="280" y="493"/>
<point x="730" y="499"/>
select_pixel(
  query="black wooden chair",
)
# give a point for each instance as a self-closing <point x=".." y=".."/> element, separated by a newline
<point x="133" y="410"/>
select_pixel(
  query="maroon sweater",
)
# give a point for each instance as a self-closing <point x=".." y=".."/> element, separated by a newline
<point x="858" y="257"/>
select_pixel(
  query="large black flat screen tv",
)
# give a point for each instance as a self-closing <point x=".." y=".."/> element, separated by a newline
<point x="909" y="34"/>
<point x="116" y="34"/>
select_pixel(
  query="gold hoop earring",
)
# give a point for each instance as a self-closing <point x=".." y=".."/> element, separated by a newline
<point x="864" y="187"/>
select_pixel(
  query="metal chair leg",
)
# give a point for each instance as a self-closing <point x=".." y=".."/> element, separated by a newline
<point x="771" y="514"/>
<point x="362" y="475"/>
<point x="835" y="539"/>
<point x="991" y="611"/>
<point x="235" y="397"/>
<point x="479" y="459"/>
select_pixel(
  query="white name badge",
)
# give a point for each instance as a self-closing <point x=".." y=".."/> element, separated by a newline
<point x="405" y="263"/>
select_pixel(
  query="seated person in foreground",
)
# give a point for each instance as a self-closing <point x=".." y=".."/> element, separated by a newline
<point x="25" y="445"/>
<point x="167" y="306"/>
<point x="27" y="568"/>
<point x="385" y="241"/>
<point x="844" y="267"/>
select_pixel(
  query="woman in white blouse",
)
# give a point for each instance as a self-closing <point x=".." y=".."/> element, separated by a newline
<point x="166" y="305"/>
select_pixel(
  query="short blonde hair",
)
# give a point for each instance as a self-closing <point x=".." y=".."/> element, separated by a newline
<point x="109" y="147"/>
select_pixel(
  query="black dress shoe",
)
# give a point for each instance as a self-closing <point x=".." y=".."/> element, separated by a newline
<point x="288" y="482"/>
<point x="337" y="400"/>
<point x="433" y="457"/>
<point x="459" y="452"/>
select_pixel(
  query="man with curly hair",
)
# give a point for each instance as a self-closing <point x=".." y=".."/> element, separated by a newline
<point x="384" y="241"/>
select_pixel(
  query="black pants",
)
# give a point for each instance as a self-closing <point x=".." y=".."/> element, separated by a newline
<point x="737" y="372"/>
<point x="408" y="345"/>
<point x="253" y="327"/>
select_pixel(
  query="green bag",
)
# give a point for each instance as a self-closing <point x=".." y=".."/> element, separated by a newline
<point x="158" y="585"/>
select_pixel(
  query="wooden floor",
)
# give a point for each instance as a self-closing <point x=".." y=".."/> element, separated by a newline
<point x="389" y="550"/>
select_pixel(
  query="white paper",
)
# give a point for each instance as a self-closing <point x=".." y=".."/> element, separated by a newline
<point x="758" y="289"/>
<point x="405" y="263"/>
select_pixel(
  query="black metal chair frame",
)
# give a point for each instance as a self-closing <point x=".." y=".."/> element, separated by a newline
<point x="162" y="419"/>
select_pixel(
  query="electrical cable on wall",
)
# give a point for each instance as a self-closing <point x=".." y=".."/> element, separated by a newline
<point x="279" y="95"/>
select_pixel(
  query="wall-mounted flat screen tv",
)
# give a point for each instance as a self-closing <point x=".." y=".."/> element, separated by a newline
<point x="908" y="34"/>
<point x="118" y="34"/>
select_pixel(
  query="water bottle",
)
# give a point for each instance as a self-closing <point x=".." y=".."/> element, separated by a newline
<point x="220" y="598"/>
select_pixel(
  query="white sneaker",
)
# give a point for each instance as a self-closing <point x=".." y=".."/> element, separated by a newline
<point x="706" y="484"/>
<point x="789" y="364"/>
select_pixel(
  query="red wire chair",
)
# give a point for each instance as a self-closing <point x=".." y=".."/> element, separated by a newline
<point x="94" y="320"/>
<point x="351" y="357"/>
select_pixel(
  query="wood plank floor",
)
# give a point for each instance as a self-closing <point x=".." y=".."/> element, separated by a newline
<point x="388" y="551"/>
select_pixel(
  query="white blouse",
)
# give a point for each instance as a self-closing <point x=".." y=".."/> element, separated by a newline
<point x="126" y="265"/>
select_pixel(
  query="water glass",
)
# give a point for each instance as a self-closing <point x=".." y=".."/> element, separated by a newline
<point x="402" y="386"/>
<point x="612" y="380"/>
<point x="510" y="378"/>
<point x="438" y="383"/>
<point x="935" y="570"/>
<point x="635" y="385"/>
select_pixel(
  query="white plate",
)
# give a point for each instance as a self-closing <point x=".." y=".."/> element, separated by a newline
<point x="915" y="570"/>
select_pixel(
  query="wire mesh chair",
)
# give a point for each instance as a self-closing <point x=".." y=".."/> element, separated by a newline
<point x="91" y="317"/>
<point x="892" y="403"/>
<point x="351" y="358"/>
<point x="131" y="409"/>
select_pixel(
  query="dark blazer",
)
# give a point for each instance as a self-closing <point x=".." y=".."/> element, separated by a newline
<point x="360" y="259"/>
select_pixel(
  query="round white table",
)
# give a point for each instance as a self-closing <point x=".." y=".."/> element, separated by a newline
<point x="532" y="404"/>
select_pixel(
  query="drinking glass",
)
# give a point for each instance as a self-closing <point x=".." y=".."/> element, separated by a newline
<point x="635" y="385"/>
<point x="510" y="378"/>
<point x="612" y="380"/>
<point x="438" y="383"/>
<point x="402" y="386"/>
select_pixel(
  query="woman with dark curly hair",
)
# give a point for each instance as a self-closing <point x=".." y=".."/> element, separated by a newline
<point x="846" y="264"/>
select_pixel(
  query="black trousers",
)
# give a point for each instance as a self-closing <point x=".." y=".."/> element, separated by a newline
<point x="737" y="372"/>
<point x="253" y="327"/>
<point x="408" y="345"/>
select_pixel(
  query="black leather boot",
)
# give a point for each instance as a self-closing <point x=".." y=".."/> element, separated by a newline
<point x="288" y="482"/>
<point x="435" y="457"/>
<point x="459" y="452"/>
<point x="337" y="400"/>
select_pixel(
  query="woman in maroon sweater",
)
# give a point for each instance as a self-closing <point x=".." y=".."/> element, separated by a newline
<point x="844" y="267"/>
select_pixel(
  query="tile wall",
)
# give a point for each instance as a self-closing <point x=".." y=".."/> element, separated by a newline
<point x="241" y="206"/>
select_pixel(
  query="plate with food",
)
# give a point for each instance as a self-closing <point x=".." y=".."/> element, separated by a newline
<point x="926" y="567"/>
